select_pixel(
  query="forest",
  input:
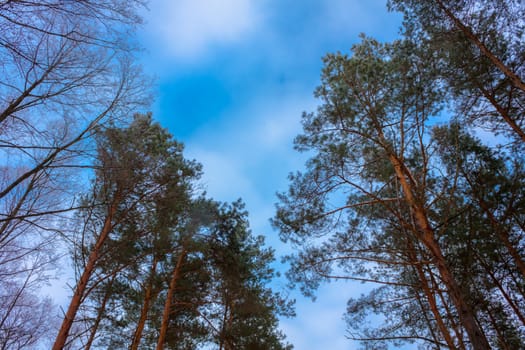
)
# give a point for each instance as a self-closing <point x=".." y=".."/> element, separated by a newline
<point x="399" y="191"/>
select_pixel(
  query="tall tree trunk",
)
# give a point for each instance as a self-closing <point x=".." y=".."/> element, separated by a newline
<point x="504" y="237"/>
<point x="502" y="111"/>
<point x="167" y="305"/>
<point x="431" y="297"/>
<point x="427" y="237"/>
<point x="435" y="339"/>
<point x="148" y="296"/>
<point x="228" y="345"/>
<point x="80" y="289"/>
<point x="100" y="313"/>
<point x="502" y="344"/>
<point x="502" y="290"/>
<point x="458" y="331"/>
<point x="225" y="341"/>
<point x="507" y="71"/>
<point x="502" y="233"/>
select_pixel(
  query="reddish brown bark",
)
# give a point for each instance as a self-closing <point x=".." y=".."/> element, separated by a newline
<point x="509" y="73"/>
<point x="80" y="289"/>
<point x="503" y="112"/>
<point x="167" y="305"/>
<point x="427" y="237"/>
<point x="500" y="231"/>
<point x="148" y="296"/>
<point x="100" y="314"/>
<point x="458" y="331"/>
<point x="505" y="239"/>
<point x="503" y="291"/>
<point x="430" y="296"/>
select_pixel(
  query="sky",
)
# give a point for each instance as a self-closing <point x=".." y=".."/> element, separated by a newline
<point x="233" y="78"/>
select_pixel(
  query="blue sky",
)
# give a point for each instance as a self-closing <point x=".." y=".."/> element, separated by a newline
<point x="233" y="77"/>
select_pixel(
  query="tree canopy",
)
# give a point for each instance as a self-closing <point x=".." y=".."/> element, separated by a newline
<point x="398" y="192"/>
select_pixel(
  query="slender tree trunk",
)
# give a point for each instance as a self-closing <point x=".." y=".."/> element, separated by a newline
<point x="502" y="344"/>
<point x="514" y="277"/>
<point x="458" y="331"/>
<point x="502" y="233"/>
<point x="507" y="71"/>
<point x="222" y="339"/>
<point x="503" y="112"/>
<point x="437" y="342"/>
<point x="505" y="239"/>
<point x="148" y="296"/>
<point x="502" y="290"/>
<point x="100" y="314"/>
<point x="431" y="298"/>
<point x="228" y="344"/>
<point x="427" y="237"/>
<point x="80" y="289"/>
<point x="167" y="305"/>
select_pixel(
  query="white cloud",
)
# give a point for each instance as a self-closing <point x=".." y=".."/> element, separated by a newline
<point x="320" y="324"/>
<point x="489" y="138"/>
<point x="258" y="128"/>
<point x="278" y="128"/>
<point x="188" y="28"/>
<point x="249" y="156"/>
<point x="222" y="178"/>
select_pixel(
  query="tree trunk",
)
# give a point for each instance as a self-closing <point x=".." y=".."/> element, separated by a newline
<point x="503" y="112"/>
<point x="458" y="331"/>
<point x="80" y="289"/>
<point x="513" y="77"/>
<point x="427" y="237"/>
<point x="225" y="341"/>
<point x="502" y="344"/>
<point x="502" y="233"/>
<point x="505" y="239"/>
<point x="100" y="314"/>
<point x="431" y="298"/>
<point x="502" y="290"/>
<point x="167" y="305"/>
<point x="148" y="296"/>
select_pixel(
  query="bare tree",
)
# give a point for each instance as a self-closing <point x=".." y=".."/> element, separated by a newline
<point x="25" y="319"/>
<point x="67" y="70"/>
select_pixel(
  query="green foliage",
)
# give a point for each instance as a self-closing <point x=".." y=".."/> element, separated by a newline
<point x="478" y="48"/>
<point x="351" y="217"/>
<point x="245" y="310"/>
<point x="162" y="225"/>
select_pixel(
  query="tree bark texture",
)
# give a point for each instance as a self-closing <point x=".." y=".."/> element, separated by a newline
<point x="167" y="305"/>
<point x="148" y="296"/>
<point x="427" y="237"/>
<point x="80" y="289"/>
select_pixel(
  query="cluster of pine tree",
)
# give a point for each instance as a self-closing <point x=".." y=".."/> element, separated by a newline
<point x="160" y="266"/>
<point x="399" y="191"/>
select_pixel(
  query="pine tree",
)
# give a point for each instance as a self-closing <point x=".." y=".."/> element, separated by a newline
<point x="242" y="308"/>
<point x="137" y="168"/>
<point x="479" y="47"/>
<point x="372" y="187"/>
